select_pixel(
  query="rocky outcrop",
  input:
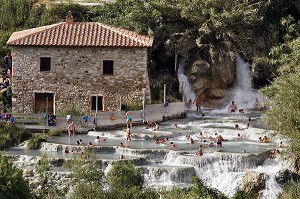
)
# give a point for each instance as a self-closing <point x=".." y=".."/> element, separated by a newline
<point x="212" y="78"/>
<point x="297" y="165"/>
<point x="253" y="182"/>
<point x="285" y="175"/>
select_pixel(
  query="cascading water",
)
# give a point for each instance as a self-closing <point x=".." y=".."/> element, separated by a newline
<point x="184" y="85"/>
<point x="244" y="95"/>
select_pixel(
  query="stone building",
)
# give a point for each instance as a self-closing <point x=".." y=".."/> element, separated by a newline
<point x="87" y="64"/>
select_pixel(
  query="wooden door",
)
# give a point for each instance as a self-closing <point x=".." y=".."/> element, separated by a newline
<point x="40" y="103"/>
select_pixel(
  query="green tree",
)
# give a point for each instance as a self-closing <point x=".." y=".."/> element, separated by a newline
<point x="11" y="135"/>
<point x="240" y="194"/>
<point x="12" y="183"/>
<point x="13" y="13"/>
<point x="201" y="191"/>
<point x="88" y="177"/>
<point x="125" y="181"/>
<point x="59" y="12"/>
<point x="46" y="181"/>
<point x="291" y="191"/>
<point x="284" y="93"/>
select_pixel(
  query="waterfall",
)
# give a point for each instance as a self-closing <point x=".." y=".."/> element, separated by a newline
<point x="167" y="175"/>
<point x="244" y="95"/>
<point x="185" y="87"/>
<point x="222" y="171"/>
<point x="234" y="162"/>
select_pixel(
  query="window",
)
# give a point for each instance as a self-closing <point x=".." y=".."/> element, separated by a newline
<point x="108" y="67"/>
<point x="94" y="102"/>
<point x="45" y="64"/>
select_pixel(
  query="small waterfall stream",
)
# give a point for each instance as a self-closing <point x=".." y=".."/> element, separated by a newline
<point x="185" y="87"/>
<point x="244" y="95"/>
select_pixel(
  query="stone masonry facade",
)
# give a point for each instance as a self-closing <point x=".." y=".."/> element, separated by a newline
<point x="76" y="75"/>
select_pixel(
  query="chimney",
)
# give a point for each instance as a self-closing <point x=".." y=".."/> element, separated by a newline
<point x="69" y="18"/>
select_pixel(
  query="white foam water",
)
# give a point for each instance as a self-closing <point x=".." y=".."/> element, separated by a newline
<point x="244" y="95"/>
<point x="184" y="85"/>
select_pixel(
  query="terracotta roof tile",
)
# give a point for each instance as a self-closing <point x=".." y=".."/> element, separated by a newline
<point x="79" y="34"/>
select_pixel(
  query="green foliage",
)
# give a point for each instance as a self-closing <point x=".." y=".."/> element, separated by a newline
<point x="12" y="183"/>
<point x="55" y="132"/>
<point x="57" y="13"/>
<point x="11" y="135"/>
<point x="198" y="191"/>
<point x="7" y="101"/>
<point x="201" y="191"/>
<point x="133" y="106"/>
<point x="240" y="194"/>
<point x="284" y="113"/>
<point x="42" y="168"/>
<point x="88" y="178"/>
<point x="125" y="180"/>
<point x="46" y="181"/>
<point x="284" y="92"/>
<point x="34" y="18"/>
<point x="176" y="193"/>
<point x="13" y="13"/>
<point x="71" y="109"/>
<point x="35" y="142"/>
<point x="155" y="93"/>
<point x="291" y="191"/>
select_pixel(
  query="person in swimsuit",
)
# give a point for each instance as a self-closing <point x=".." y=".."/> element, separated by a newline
<point x="219" y="140"/>
<point x="189" y="104"/>
<point x="128" y="134"/>
<point x="200" y="151"/>
<point x="71" y="129"/>
<point x="129" y="119"/>
<point x="198" y="102"/>
<point x="232" y="107"/>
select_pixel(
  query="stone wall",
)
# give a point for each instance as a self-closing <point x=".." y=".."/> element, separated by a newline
<point x="77" y="74"/>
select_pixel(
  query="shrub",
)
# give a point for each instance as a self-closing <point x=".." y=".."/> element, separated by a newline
<point x="124" y="176"/>
<point x="55" y="132"/>
<point x="71" y="109"/>
<point x="290" y="191"/>
<point x="12" y="183"/>
<point x="35" y="142"/>
<point x="155" y="93"/>
<point x="241" y="194"/>
<point x="133" y="106"/>
<point x="11" y="135"/>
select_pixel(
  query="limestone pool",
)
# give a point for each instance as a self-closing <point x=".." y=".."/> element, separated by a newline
<point x="221" y="168"/>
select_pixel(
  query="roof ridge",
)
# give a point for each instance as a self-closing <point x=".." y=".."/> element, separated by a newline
<point x="117" y="30"/>
<point x="80" y="34"/>
<point x="20" y="34"/>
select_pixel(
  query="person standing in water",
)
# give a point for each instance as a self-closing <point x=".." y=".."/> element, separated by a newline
<point x="219" y="140"/>
<point x="71" y="129"/>
<point x="198" y="102"/>
<point x="232" y="107"/>
<point x="128" y="134"/>
<point x="189" y="104"/>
